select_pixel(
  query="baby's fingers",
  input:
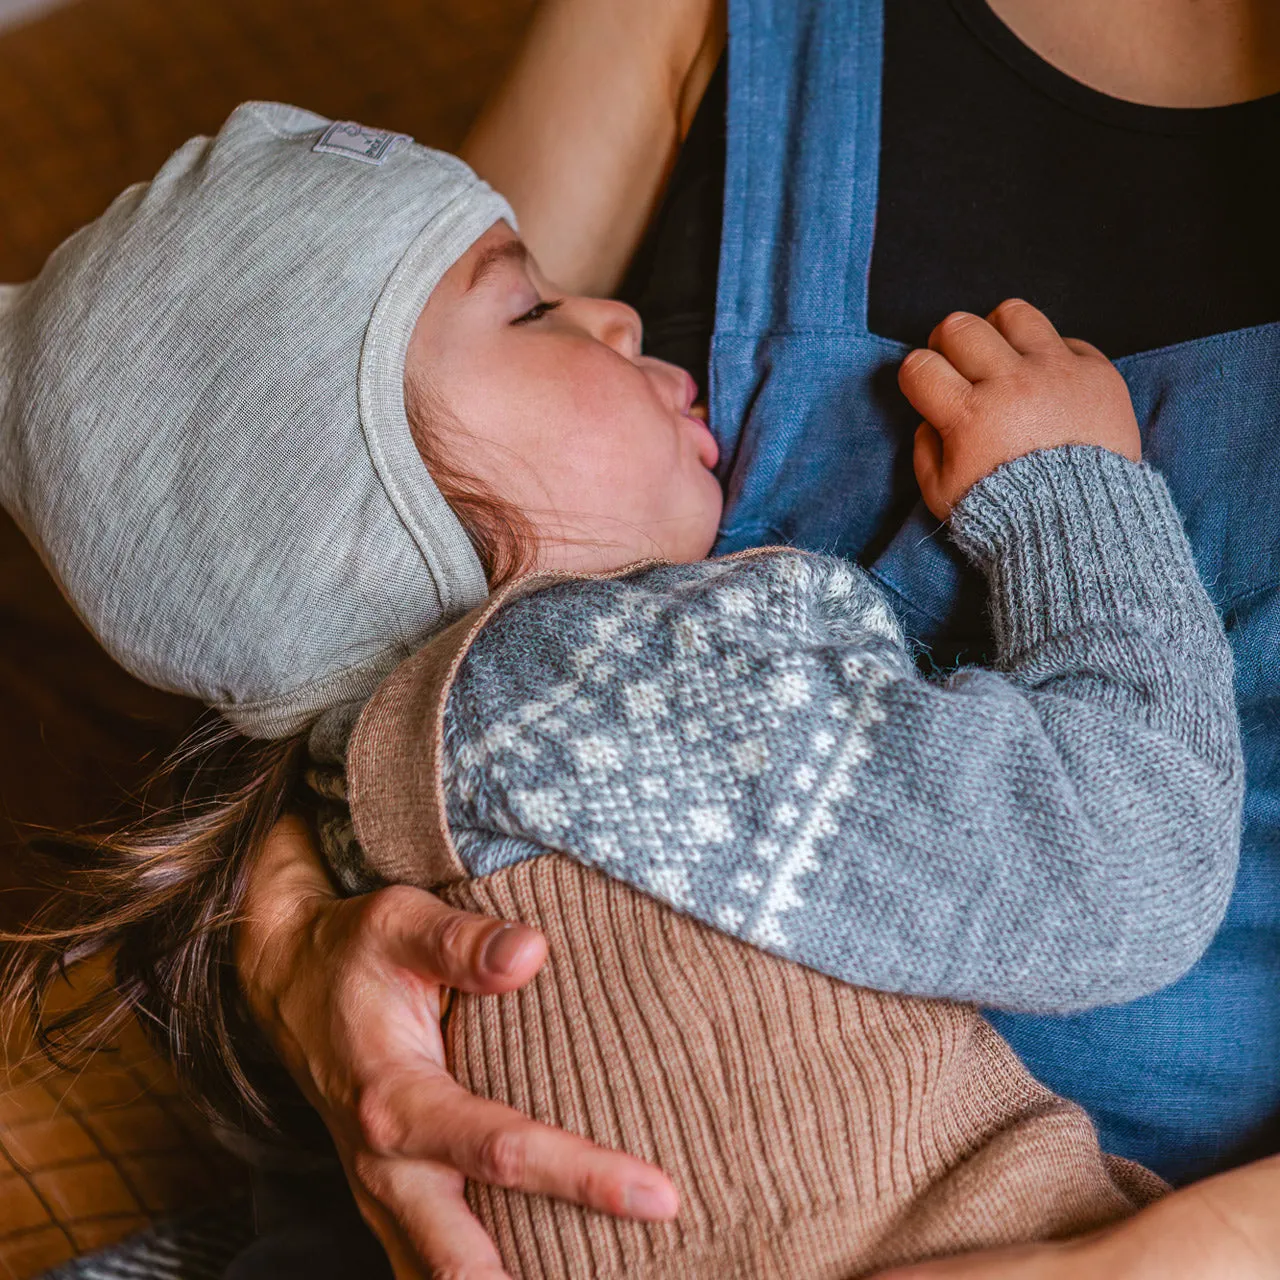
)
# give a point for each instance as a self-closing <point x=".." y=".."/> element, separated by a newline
<point x="928" y="458"/>
<point x="1082" y="348"/>
<point x="936" y="390"/>
<point x="1025" y="328"/>
<point x="976" y="349"/>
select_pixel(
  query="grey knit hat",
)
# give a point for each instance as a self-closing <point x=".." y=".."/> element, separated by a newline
<point x="202" y="422"/>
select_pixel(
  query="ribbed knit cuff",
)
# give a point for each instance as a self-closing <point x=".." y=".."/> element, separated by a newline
<point x="1077" y="536"/>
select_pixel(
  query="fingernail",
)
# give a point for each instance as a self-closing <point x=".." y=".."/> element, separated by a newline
<point x="503" y="950"/>
<point x="650" y="1200"/>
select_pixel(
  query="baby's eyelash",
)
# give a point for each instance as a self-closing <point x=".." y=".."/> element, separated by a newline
<point x="537" y="313"/>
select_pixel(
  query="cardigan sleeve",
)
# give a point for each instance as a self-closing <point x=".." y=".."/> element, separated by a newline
<point x="750" y="743"/>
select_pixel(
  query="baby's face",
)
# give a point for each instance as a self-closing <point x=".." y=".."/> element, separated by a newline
<point x="559" y="414"/>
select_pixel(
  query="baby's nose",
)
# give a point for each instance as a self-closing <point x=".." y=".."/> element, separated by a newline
<point x="617" y="325"/>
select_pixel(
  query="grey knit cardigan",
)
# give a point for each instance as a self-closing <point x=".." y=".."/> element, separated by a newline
<point x="749" y="741"/>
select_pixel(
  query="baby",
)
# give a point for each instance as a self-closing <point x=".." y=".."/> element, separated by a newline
<point x="217" y="404"/>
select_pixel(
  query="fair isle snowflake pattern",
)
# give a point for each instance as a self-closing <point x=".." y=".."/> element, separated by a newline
<point x="818" y="821"/>
<point x="748" y="741"/>
<point x="692" y="730"/>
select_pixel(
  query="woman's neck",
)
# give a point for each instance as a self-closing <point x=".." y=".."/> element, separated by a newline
<point x="1164" y="53"/>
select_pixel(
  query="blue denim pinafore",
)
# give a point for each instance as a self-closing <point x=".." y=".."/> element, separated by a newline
<point x="816" y="448"/>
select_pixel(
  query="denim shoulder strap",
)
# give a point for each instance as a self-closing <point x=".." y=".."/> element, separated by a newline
<point x="800" y="70"/>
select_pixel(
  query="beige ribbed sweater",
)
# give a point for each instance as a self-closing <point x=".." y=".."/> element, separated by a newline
<point x="815" y="1130"/>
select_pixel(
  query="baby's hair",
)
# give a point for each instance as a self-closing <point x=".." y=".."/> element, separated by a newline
<point x="501" y="535"/>
<point x="160" y="898"/>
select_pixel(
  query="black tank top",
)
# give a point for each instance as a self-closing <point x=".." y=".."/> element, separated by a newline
<point x="1132" y="226"/>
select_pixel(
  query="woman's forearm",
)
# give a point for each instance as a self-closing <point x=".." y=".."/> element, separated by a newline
<point x="1225" y="1226"/>
<point x="582" y="134"/>
<point x="287" y="888"/>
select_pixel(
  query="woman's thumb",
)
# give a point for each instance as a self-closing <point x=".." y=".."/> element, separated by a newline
<point x="456" y="948"/>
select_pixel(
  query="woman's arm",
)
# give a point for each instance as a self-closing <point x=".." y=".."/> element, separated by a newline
<point x="582" y="135"/>
<point x="348" y="992"/>
<point x="1227" y="1226"/>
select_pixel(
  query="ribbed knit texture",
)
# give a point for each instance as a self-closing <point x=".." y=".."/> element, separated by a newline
<point x="1070" y="537"/>
<point x="815" y="1130"/>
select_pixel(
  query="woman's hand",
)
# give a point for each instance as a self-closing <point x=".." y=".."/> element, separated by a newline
<point x="992" y="390"/>
<point x="349" y="993"/>
<point x="1227" y="1226"/>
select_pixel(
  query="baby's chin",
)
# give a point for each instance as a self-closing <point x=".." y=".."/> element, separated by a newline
<point x="704" y="529"/>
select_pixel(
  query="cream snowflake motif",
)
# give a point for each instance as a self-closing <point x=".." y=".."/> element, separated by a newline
<point x="786" y="815"/>
<point x="880" y="620"/>
<point x="736" y="602"/>
<point x="671" y="884"/>
<point x="597" y="753"/>
<point x="695" y="729"/>
<point x="750" y="757"/>
<point x="645" y="700"/>
<point x="652" y="787"/>
<point x="789" y="689"/>
<point x="711" y="825"/>
<point x="792" y="570"/>
<point x="546" y="809"/>
<point x="767" y="850"/>
<point x="730" y="919"/>
<point x="691" y="635"/>
<point x="804" y="778"/>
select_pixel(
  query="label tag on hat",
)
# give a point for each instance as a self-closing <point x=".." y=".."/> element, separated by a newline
<point x="369" y="146"/>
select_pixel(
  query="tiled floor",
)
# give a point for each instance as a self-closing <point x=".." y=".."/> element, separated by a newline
<point x="89" y="1157"/>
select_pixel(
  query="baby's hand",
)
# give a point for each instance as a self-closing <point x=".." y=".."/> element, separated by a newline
<point x="991" y="390"/>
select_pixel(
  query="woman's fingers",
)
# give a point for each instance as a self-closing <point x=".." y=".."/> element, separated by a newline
<point x="421" y="1216"/>
<point x="975" y="348"/>
<point x="433" y="1118"/>
<point x="455" y="948"/>
<point x="1025" y="328"/>
<point x="936" y="390"/>
<point x="405" y="1263"/>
